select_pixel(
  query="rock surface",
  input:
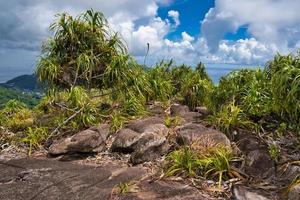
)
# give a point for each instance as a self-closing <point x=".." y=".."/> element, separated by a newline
<point x="184" y="113"/>
<point x="87" y="141"/>
<point x="178" y="110"/>
<point x="244" y="193"/>
<point x="257" y="159"/>
<point x="294" y="193"/>
<point x="141" y="125"/>
<point x="191" y="132"/>
<point x="48" y="179"/>
<point x="51" y="180"/>
<point x="167" y="190"/>
<point x="125" y="140"/>
<point x="150" y="146"/>
<point x="145" y="139"/>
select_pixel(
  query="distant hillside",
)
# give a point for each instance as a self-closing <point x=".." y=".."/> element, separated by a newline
<point x="28" y="83"/>
<point x="6" y="94"/>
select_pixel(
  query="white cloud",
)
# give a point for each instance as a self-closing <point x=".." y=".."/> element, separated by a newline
<point x="175" y="16"/>
<point x="274" y="22"/>
<point x="274" y="25"/>
<point x="24" y="24"/>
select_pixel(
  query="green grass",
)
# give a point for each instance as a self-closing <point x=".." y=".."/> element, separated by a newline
<point x="208" y="163"/>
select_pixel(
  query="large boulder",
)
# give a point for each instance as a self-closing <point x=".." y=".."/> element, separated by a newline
<point x="149" y="147"/>
<point x="141" y="125"/>
<point x="258" y="162"/>
<point x="184" y="113"/>
<point x="178" y="110"/>
<point x="125" y="140"/>
<point x="191" y="132"/>
<point x="88" y="141"/>
<point x="51" y="180"/>
<point x="145" y="139"/>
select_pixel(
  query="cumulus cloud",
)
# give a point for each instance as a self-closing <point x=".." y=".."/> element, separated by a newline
<point x="175" y="16"/>
<point x="24" y="25"/>
<point x="274" y="22"/>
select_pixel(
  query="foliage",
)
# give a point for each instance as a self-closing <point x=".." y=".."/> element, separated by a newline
<point x="284" y="74"/>
<point x="182" y="162"/>
<point x="80" y="51"/>
<point x="192" y="86"/>
<point x="207" y="162"/>
<point x="264" y="95"/>
<point x="230" y="117"/>
<point x="123" y="188"/>
<point x="172" y="122"/>
<point x="160" y="80"/>
<point x="7" y="94"/>
<point x="117" y="121"/>
<point x="15" y="116"/>
<point x="195" y="90"/>
<point x="133" y="107"/>
<point x="274" y="152"/>
<point x="34" y="137"/>
<point x="60" y="106"/>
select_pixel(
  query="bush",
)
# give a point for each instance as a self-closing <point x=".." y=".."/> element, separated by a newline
<point x="229" y="118"/>
<point x="15" y="116"/>
<point x="209" y="162"/>
<point x="34" y="138"/>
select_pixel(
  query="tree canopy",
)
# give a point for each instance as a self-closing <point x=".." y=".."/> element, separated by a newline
<point x="80" y="52"/>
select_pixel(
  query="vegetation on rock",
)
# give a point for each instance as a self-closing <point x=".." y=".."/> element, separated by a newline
<point x="92" y="79"/>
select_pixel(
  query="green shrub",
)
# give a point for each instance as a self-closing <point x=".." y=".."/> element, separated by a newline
<point x="15" y="116"/>
<point x="210" y="162"/>
<point x="34" y="138"/>
<point x="172" y="122"/>
<point x="161" y="83"/>
<point x="284" y="75"/>
<point x="229" y="118"/>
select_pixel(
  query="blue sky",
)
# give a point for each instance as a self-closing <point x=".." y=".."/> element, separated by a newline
<point x="220" y="33"/>
<point x="192" y="12"/>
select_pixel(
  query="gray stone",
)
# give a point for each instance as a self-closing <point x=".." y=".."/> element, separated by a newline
<point x="125" y="140"/>
<point x="245" y="193"/>
<point x="167" y="190"/>
<point x="294" y="193"/>
<point x="149" y="147"/>
<point x="51" y="180"/>
<point x="259" y="163"/>
<point x="159" y="129"/>
<point x="141" y="125"/>
<point x="202" y="110"/>
<point x="179" y="110"/>
<point x="191" y="132"/>
<point x="87" y="141"/>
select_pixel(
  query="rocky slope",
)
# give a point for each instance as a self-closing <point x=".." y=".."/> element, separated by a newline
<point x="93" y="164"/>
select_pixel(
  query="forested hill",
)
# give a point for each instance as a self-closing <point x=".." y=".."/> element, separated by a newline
<point x="25" y="89"/>
<point x="6" y="94"/>
<point x="24" y="83"/>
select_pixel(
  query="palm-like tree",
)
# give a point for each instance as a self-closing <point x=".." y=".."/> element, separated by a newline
<point x="80" y="51"/>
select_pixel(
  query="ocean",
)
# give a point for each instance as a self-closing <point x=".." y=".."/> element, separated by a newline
<point x="215" y="71"/>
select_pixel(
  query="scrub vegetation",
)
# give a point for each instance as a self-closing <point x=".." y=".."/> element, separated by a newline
<point x="92" y="79"/>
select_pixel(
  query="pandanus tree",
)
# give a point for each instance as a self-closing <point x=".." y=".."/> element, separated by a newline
<point x="81" y="52"/>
